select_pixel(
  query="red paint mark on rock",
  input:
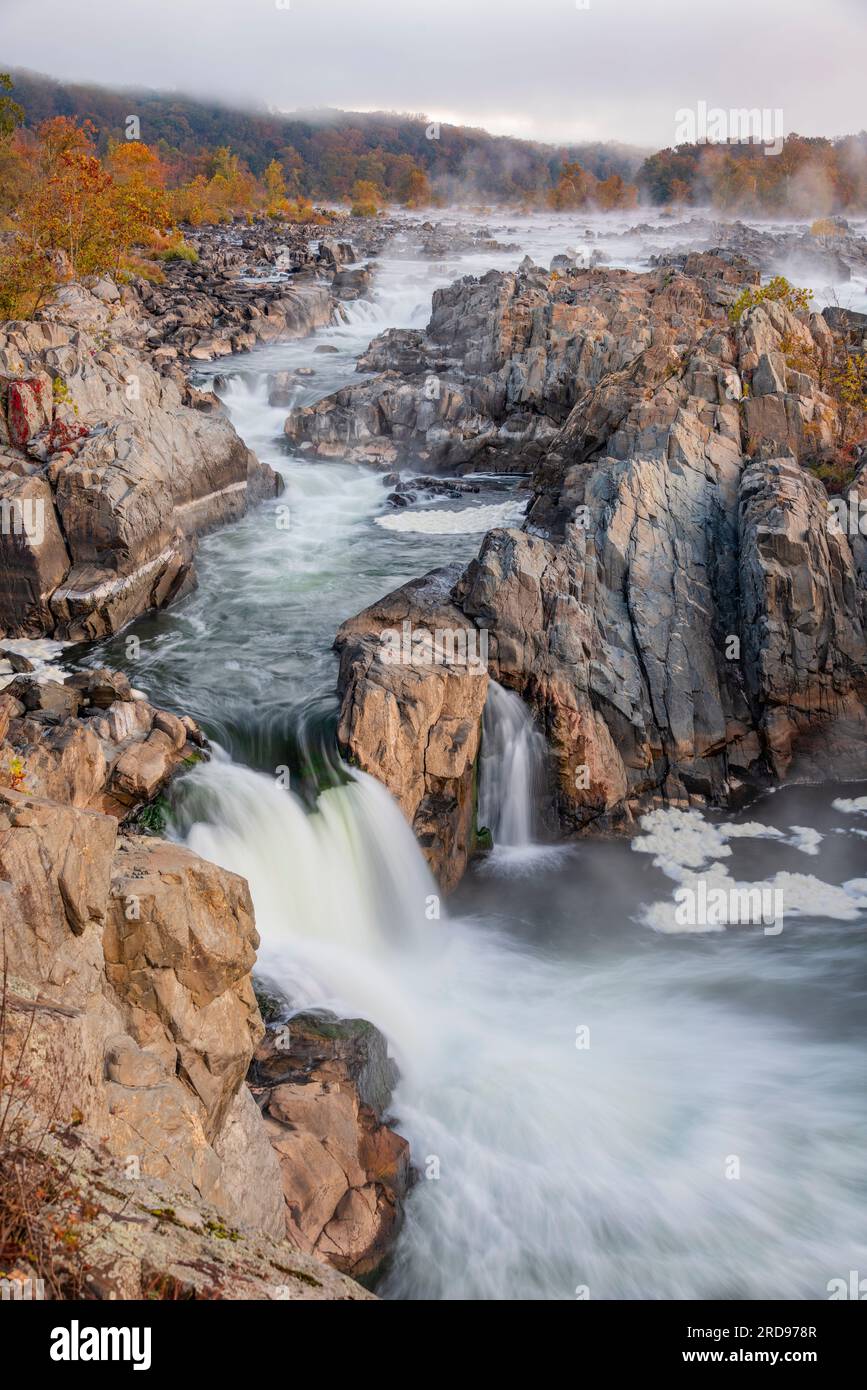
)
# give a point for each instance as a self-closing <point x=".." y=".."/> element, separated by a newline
<point x="26" y="410"/>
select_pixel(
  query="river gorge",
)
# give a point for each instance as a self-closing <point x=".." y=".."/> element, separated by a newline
<point x="598" y="1101"/>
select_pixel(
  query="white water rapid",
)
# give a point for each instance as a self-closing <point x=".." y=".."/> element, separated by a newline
<point x="572" y="1101"/>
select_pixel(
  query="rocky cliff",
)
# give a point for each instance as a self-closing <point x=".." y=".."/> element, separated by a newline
<point x="111" y="463"/>
<point x="681" y="607"/>
<point x="130" y="1023"/>
<point x="106" y="476"/>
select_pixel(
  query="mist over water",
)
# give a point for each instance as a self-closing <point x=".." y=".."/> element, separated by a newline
<point x="592" y="1100"/>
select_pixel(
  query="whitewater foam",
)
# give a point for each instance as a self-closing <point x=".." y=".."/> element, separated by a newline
<point x="437" y="521"/>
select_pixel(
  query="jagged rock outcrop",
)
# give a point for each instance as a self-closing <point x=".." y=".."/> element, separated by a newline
<point x="128" y="975"/>
<point x="323" y="1084"/>
<point x="414" y="676"/>
<point x="680" y="608"/>
<point x="504" y="360"/>
<point x="89" y="742"/>
<point x="106" y="477"/>
<point x="128" y="958"/>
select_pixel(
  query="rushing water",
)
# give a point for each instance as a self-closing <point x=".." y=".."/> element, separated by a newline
<point x="596" y="1098"/>
<point x="513" y="774"/>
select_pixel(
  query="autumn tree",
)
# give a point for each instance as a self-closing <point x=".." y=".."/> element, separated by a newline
<point x="366" y="199"/>
<point x="71" y="210"/>
<point x="415" y="189"/>
<point x="231" y="187"/>
<point x="11" y="114"/>
<point x="276" y="202"/>
<point x="614" y="192"/>
<point x="138" y="199"/>
<point x="18" y="158"/>
<point x="189" y="203"/>
<point x="573" y="188"/>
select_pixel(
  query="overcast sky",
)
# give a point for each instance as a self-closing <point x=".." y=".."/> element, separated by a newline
<point x="543" y="69"/>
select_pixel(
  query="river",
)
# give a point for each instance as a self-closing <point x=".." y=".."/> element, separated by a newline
<point x="600" y="1103"/>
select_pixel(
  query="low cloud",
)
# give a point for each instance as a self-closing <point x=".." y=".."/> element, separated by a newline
<point x="549" y="70"/>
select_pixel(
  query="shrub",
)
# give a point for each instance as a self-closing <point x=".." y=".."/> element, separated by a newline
<point x="825" y="226"/>
<point x="179" y="250"/>
<point x="778" y="290"/>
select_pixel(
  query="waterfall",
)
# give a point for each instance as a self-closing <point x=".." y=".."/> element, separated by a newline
<point x="348" y="874"/>
<point x="513" y="771"/>
<point x="542" y="1166"/>
<point x="339" y="893"/>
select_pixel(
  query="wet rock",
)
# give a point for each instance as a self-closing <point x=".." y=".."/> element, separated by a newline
<point x="331" y="1047"/>
<point x="323" y="1084"/>
<point x="352" y="283"/>
<point x="18" y="663"/>
<point x="100" y="688"/>
<point x="413" y="680"/>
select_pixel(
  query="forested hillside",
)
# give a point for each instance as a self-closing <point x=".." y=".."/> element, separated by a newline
<point x="326" y="152"/>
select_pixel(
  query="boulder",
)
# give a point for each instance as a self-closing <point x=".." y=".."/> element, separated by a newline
<point x="323" y="1085"/>
<point x="130" y="1001"/>
<point x="33" y="555"/>
<point x="413" y="679"/>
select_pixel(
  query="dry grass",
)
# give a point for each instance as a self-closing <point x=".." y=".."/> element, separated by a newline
<point x="42" y="1212"/>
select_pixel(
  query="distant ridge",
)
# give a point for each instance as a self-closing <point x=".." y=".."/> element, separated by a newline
<point x="462" y="162"/>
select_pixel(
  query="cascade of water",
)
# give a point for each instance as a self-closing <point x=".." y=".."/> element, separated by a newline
<point x="512" y="774"/>
<point x="557" y="1167"/>
<point x="350" y="873"/>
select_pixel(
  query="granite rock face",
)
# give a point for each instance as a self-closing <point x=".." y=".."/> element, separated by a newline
<point x="107" y="477"/>
<point x="503" y="361"/>
<point x="681" y="608"/>
<point x="126" y="1026"/>
<point x="128" y="967"/>
<point x="128" y="958"/>
<point x="323" y="1084"/>
<point x="414" y="678"/>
